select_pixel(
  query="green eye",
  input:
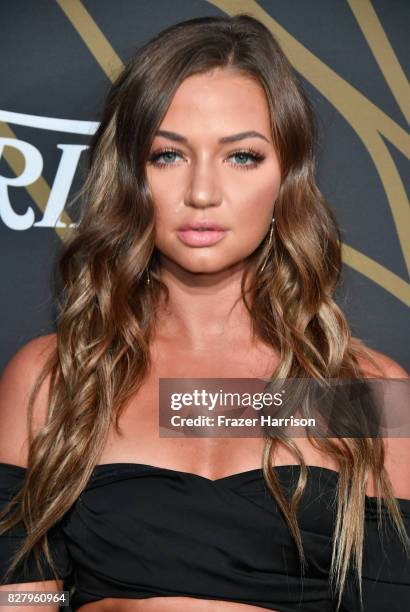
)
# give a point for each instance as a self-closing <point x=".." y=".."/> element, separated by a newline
<point x="244" y="155"/>
<point x="154" y="158"/>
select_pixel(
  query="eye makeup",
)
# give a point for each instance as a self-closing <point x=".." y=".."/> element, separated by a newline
<point x="255" y="157"/>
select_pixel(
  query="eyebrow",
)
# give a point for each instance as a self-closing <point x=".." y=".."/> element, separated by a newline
<point x="233" y="138"/>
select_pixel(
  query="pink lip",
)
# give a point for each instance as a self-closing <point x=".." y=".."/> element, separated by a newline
<point x="197" y="238"/>
<point x="207" y="224"/>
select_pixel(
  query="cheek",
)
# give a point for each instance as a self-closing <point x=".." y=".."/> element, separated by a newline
<point x="256" y="207"/>
<point x="167" y="196"/>
<point x="248" y="206"/>
<point x="164" y="222"/>
<point x="256" y="190"/>
<point x="161" y="183"/>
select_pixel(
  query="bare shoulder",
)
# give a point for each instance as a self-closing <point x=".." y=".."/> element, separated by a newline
<point x="397" y="450"/>
<point x="16" y="383"/>
<point x="378" y="364"/>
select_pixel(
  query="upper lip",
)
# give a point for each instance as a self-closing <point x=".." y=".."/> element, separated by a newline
<point x="202" y="224"/>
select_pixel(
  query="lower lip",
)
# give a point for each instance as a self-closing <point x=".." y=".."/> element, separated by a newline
<point x="197" y="238"/>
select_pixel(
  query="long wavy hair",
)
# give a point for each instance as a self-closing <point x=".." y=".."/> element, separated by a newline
<point x="107" y="309"/>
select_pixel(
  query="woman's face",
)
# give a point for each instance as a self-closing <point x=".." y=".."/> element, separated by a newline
<point x="205" y="168"/>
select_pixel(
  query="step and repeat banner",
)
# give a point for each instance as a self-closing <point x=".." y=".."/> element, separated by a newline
<point x="58" y="58"/>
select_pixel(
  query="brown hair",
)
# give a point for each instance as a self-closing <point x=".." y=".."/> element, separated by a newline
<point x="107" y="310"/>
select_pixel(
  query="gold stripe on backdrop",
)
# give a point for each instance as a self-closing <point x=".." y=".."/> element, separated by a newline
<point x="93" y="37"/>
<point x="383" y="53"/>
<point x="377" y="273"/>
<point x="39" y="190"/>
<point x="110" y="64"/>
<point x="368" y="121"/>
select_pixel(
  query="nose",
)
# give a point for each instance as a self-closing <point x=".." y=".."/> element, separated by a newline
<point x="203" y="189"/>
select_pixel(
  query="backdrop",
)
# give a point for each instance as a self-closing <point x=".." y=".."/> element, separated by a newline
<point x="57" y="60"/>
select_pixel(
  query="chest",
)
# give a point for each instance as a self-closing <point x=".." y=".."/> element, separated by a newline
<point x="140" y="439"/>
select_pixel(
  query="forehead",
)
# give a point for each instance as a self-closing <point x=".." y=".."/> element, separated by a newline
<point x="220" y="99"/>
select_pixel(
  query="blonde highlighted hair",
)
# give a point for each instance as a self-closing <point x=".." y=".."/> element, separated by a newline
<point x="107" y="310"/>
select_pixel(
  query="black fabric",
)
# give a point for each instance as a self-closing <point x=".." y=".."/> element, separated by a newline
<point x="140" y="531"/>
<point x="11" y="478"/>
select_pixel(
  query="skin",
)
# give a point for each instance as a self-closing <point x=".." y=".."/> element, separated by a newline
<point x="198" y="335"/>
<point x="206" y="179"/>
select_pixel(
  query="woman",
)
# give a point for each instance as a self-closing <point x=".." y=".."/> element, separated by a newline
<point x="207" y="124"/>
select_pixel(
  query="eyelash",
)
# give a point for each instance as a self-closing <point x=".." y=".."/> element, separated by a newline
<point x="254" y="155"/>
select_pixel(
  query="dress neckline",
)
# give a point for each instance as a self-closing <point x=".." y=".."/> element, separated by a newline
<point x="101" y="467"/>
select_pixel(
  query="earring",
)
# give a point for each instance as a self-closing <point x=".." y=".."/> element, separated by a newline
<point x="270" y="243"/>
<point x="148" y="280"/>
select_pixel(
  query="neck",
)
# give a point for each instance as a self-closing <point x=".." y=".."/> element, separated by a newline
<point x="205" y="310"/>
